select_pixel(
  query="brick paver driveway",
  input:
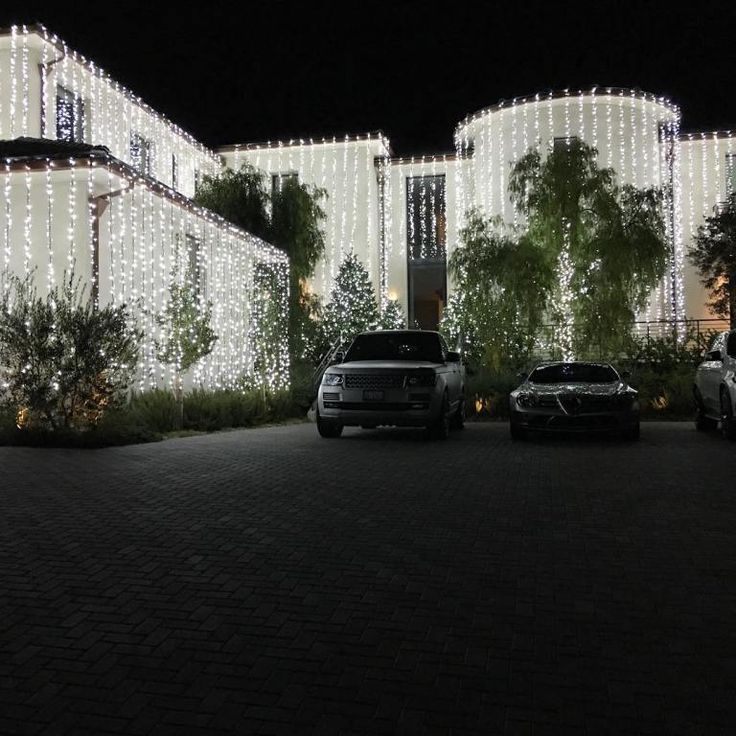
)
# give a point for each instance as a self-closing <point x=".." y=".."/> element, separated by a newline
<point x="267" y="581"/>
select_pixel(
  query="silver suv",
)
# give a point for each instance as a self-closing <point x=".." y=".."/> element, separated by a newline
<point x="405" y="378"/>
<point x="715" y="386"/>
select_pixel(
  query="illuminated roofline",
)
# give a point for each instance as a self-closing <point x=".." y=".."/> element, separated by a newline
<point x="697" y="136"/>
<point x="551" y="95"/>
<point x="39" y="30"/>
<point x="375" y="136"/>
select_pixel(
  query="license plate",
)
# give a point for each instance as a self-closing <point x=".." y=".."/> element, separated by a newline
<point x="372" y="395"/>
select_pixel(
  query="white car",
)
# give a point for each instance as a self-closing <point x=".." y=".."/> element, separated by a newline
<point x="405" y="378"/>
<point x="715" y="386"/>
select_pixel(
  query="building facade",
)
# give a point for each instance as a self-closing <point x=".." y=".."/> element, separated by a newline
<point x="123" y="216"/>
<point x="97" y="186"/>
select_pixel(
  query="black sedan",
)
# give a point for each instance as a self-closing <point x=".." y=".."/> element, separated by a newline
<point x="574" y="397"/>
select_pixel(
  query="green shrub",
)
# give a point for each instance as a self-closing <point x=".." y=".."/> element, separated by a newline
<point x="207" y="411"/>
<point x="156" y="410"/>
<point x="665" y="394"/>
<point x="64" y="361"/>
<point x="487" y="393"/>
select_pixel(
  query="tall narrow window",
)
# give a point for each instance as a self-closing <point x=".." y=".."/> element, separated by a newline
<point x="731" y="173"/>
<point x="426" y="227"/>
<point x="196" y="272"/>
<point x="141" y="154"/>
<point x="69" y="116"/>
<point x="174" y="172"/>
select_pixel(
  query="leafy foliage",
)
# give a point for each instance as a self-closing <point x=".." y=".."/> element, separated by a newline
<point x="501" y="292"/>
<point x="352" y="307"/>
<point x="269" y="323"/>
<point x="586" y="259"/>
<point x="240" y="197"/>
<point x="185" y="322"/>
<point x="612" y="238"/>
<point x="186" y="332"/>
<point x="63" y="362"/>
<point x="714" y="255"/>
<point x="290" y="217"/>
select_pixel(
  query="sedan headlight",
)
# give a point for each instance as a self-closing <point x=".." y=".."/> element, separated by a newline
<point x="624" y="398"/>
<point x="526" y="399"/>
<point x="332" y="379"/>
<point x="421" y="379"/>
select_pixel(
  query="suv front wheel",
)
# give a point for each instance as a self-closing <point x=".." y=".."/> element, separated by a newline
<point x="440" y="430"/>
<point x="328" y="429"/>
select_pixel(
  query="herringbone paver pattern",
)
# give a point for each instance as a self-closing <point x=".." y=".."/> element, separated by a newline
<point x="269" y="582"/>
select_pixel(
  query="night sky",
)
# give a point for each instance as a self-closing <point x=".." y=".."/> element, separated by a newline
<point x="262" y="70"/>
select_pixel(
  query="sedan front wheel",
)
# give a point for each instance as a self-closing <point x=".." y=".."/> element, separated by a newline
<point x="728" y="424"/>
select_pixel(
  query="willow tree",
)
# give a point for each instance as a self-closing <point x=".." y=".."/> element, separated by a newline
<point x="607" y="242"/>
<point x="501" y="292"/>
<point x="586" y="259"/>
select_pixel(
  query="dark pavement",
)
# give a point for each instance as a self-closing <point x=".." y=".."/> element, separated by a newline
<point x="267" y="581"/>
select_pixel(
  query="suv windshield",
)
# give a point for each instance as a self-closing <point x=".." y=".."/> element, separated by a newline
<point x="574" y="373"/>
<point x="396" y="346"/>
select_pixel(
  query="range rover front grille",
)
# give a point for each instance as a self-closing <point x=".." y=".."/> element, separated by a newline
<point x="374" y="380"/>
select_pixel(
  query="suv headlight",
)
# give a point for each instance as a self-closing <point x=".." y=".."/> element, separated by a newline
<point x="421" y="379"/>
<point x="332" y="379"/>
<point x="526" y="399"/>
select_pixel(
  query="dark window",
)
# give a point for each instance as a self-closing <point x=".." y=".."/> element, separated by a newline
<point x="140" y="154"/>
<point x="69" y="116"/>
<point x="196" y="272"/>
<point x="731" y="173"/>
<point x="278" y="180"/>
<point x="396" y="346"/>
<point x="574" y="373"/>
<point x="731" y="344"/>
<point x="197" y="180"/>
<point x="174" y="172"/>
<point x="560" y="144"/>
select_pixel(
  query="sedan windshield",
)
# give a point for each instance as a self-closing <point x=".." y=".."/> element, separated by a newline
<point x="574" y="373"/>
<point x="396" y="346"/>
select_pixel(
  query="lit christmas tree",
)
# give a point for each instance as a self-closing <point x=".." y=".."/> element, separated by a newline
<point x="392" y="316"/>
<point x="352" y="308"/>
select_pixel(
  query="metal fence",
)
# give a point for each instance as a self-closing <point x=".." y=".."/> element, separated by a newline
<point x="692" y="334"/>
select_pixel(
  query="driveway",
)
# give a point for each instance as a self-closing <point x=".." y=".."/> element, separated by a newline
<point x="267" y="581"/>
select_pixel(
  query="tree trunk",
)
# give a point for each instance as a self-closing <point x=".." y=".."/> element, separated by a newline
<point x="179" y="394"/>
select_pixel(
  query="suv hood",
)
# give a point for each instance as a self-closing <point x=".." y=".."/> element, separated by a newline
<point x="383" y="365"/>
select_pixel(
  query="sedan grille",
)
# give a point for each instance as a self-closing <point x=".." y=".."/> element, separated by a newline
<point x="374" y="380"/>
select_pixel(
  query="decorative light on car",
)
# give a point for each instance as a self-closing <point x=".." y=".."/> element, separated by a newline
<point x="526" y="399"/>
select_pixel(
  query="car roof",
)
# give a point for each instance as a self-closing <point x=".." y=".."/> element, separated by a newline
<point x="398" y="332"/>
<point x="547" y="363"/>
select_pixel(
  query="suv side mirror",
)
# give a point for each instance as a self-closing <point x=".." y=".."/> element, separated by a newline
<point x="338" y="357"/>
<point x="714" y="355"/>
<point x="452" y="357"/>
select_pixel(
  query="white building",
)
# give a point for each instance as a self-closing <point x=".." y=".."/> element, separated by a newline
<point x="122" y="217"/>
<point x="98" y="184"/>
<point x="403" y="215"/>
